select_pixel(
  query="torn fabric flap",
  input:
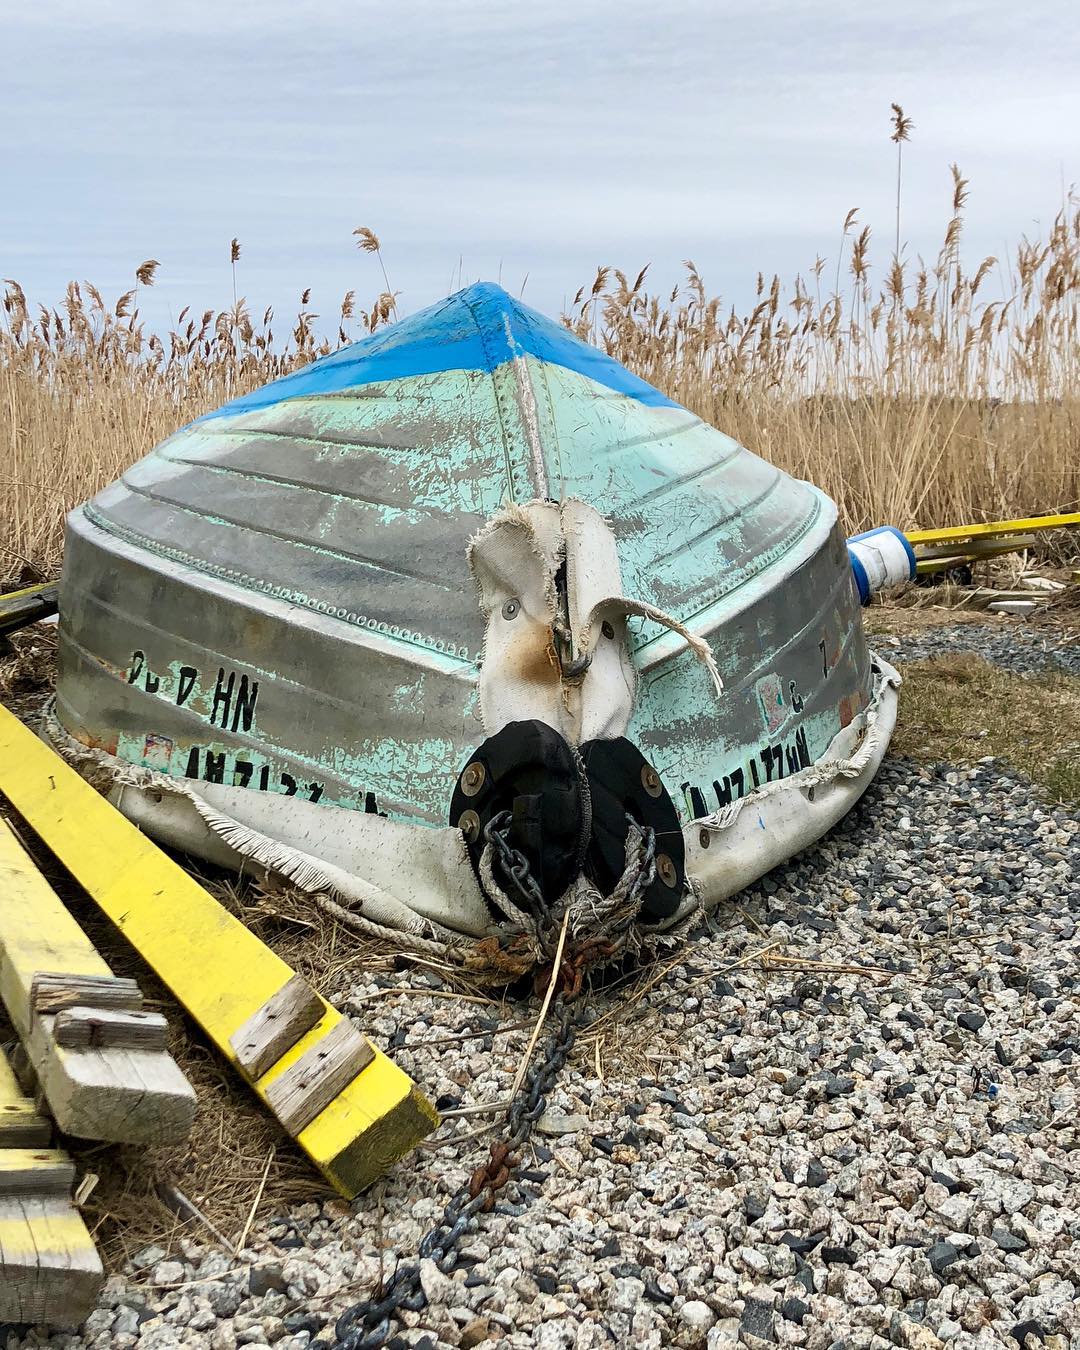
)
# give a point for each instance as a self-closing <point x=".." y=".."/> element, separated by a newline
<point x="557" y="647"/>
<point x="601" y="691"/>
<point x="515" y="560"/>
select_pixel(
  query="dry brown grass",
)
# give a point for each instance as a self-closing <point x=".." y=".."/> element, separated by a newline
<point x="85" y="391"/>
<point x="934" y="396"/>
<point x="958" y="709"/>
<point x="931" y="395"/>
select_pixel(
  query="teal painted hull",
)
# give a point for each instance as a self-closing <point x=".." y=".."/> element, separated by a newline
<point x="278" y="597"/>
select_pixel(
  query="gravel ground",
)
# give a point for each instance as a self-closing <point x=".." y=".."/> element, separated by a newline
<point x="802" y="1156"/>
<point x="1016" y="647"/>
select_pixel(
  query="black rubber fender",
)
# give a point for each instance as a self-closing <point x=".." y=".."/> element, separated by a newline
<point x="623" y="783"/>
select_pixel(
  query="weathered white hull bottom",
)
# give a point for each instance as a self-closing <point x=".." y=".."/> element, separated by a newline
<point x="419" y="880"/>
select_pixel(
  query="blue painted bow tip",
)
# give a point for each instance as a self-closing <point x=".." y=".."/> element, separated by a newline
<point x="479" y="328"/>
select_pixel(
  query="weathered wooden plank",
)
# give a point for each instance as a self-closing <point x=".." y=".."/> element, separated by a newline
<point x="214" y="965"/>
<point x="50" y="1272"/>
<point x="276" y="1027"/>
<point x="22" y="607"/>
<point x="23" y="1070"/>
<point x="990" y="529"/>
<point x="311" y="1084"/>
<point x="49" y="1269"/>
<point x="105" y="1028"/>
<point x="52" y="991"/>
<point x="38" y="935"/>
<point x="945" y="557"/>
<point x="21" y="1125"/>
<point x="115" y="1094"/>
<point x="36" y="1172"/>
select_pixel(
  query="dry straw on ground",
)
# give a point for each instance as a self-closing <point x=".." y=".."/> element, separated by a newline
<point x="932" y="395"/>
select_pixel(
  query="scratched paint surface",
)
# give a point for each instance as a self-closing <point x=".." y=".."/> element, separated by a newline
<point x="278" y="595"/>
<point x="696" y="515"/>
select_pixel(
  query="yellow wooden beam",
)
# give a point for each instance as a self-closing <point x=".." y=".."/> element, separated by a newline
<point x="927" y="566"/>
<point x="36" y="1171"/>
<point x="21" y="1125"/>
<point x="119" y="1095"/>
<point x="975" y="549"/>
<point x="216" y="967"/>
<point x="958" y="533"/>
<point x="50" y="1271"/>
<point x="939" y="557"/>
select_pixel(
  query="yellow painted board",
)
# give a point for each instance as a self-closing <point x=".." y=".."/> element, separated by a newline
<point x="925" y="566"/>
<point x="18" y="608"/>
<point x="121" y="1096"/>
<point x="956" y="555"/>
<point x="957" y="533"/>
<point x="40" y="590"/>
<point x="50" y="1271"/>
<point x="20" y="1124"/>
<point x="49" y="1268"/>
<point x="974" y="550"/>
<point x="36" y="1172"/>
<point x="217" y="968"/>
<point x="36" y="929"/>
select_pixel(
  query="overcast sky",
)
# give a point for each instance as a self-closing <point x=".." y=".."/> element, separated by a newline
<point x="512" y="139"/>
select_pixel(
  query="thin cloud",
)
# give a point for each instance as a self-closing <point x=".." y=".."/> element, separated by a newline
<point x="540" y="139"/>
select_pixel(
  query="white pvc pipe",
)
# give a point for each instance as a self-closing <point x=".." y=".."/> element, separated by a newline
<point x="880" y="559"/>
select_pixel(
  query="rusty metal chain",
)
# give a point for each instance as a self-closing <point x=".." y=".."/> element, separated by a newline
<point x="366" y="1326"/>
<point x="515" y="869"/>
<point x="515" y="866"/>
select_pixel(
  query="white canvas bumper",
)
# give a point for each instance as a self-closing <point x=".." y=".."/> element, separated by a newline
<point x="414" y="880"/>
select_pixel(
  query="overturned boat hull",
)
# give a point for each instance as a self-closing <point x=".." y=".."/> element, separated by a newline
<point x="278" y="601"/>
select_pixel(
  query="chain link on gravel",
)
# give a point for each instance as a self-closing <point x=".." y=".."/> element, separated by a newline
<point x="366" y="1326"/>
<point x="515" y="867"/>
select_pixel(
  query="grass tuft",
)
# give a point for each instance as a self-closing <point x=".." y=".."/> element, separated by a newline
<point x="959" y="709"/>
